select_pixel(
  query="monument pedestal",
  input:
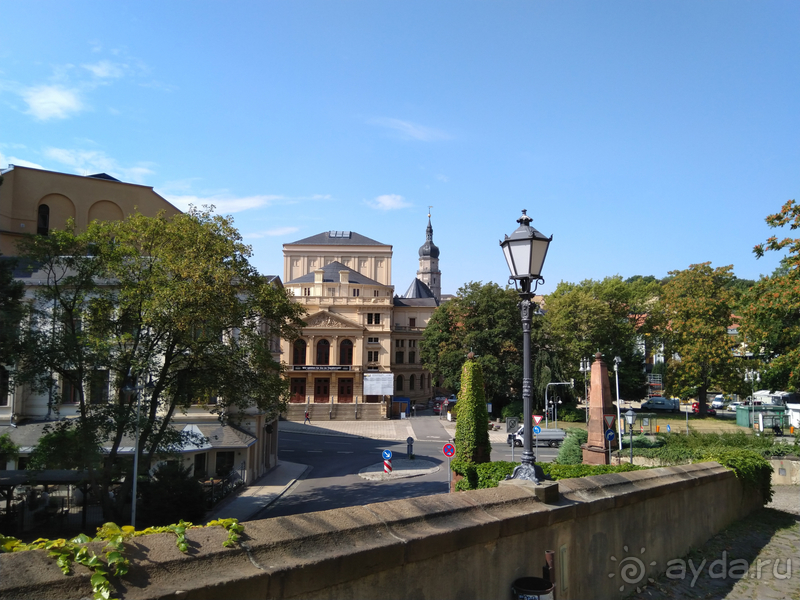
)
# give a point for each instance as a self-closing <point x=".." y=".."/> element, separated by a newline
<point x="592" y="455"/>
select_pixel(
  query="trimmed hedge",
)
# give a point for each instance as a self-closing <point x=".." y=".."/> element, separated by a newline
<point x="488" y="475"/>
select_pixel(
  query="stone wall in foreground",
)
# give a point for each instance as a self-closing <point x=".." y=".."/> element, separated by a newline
<point x="462" y="545"/>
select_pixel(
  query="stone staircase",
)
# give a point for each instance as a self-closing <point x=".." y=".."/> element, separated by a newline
<point x="333" y="412"/>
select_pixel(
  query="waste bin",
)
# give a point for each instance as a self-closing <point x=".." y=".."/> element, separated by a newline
<point x="531" y="588"/>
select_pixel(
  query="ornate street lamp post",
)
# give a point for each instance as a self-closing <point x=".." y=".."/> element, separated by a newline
<point x="525" y="251"/>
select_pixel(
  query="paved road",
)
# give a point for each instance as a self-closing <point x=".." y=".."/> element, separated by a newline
<point x="336" y="452"/>
<point x="333" y="480"/>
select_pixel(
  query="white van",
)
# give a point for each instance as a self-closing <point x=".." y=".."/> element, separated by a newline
<point x="661" y="403"/>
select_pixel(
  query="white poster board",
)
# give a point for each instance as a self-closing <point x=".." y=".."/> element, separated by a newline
<point x="378" y="384"/>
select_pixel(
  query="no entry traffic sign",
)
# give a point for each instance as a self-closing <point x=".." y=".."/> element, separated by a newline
<point x="449" y="450"/>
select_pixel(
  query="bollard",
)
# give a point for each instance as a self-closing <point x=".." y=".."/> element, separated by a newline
<point x="387" y="466"/>
<point x="410" y="450"/>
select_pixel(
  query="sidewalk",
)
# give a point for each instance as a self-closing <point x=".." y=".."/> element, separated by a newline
<point x="263" y="492"/>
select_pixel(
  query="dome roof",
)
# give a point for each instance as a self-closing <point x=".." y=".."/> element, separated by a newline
<point x="429" y="249"/>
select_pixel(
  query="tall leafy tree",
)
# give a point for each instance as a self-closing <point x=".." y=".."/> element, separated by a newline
<point x="11" y="310"/>
<point x="771" y="319"/>
<point x="483" y="319"/>
<point x="694" y="314"/>
<point x="170" y="301"/>
<point x="605" y="316"/>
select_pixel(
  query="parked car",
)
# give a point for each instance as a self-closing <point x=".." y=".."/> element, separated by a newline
<point x="437" y="407"/>
<point x="661" y="403"/>
<point x="709" y="410"/>
<point x="718" y="402"/>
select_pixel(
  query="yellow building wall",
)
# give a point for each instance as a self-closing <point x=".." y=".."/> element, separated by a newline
<point x="83" y="199"/>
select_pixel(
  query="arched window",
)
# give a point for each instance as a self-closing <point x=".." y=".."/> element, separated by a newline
<point x="299" y="354"/>
<point x="323" y="352"/>
<point x="411" y="381"/>
<point x="399" y="383"/>
<point x="422" y="381"/>
<point x="43" y="220"/>
<point x="346" y="353"/>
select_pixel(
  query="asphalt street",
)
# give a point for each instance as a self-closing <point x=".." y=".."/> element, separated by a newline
<point x="334" y="461"/>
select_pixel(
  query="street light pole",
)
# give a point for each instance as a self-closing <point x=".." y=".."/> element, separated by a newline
<point x="617" y="361"/>
<point x="130" y="388"/>
<point x="525" y="250"/>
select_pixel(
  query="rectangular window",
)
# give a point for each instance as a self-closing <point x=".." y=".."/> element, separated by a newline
<point x="412" y="343"/>
<point x="412" y="357"/>
<point x="372" y="355"/>
<point x="356" y="293"/>
<point x="373" y="318"/>
<point x="399" y="343"/>
<point x="70" y="391"/>
<point x="412" y="322"/>
<point x="306" y="291"/>
<point x="398" y="357"/>
<point x="372" y="340"/>
<point x="375" y="293"/>
<point x="377" y="318"/>
<point x="331" y="291"/>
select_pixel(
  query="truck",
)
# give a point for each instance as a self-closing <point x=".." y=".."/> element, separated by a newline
<point x="765" y="397"/>
<point x="548" y="437"/>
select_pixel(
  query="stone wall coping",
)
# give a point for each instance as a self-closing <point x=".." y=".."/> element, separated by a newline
<point x="297" y="555"/>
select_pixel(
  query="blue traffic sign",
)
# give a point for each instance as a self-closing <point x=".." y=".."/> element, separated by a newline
<point x="537" y="430"/>
<point x="610" y="435"/>
<point x="449" y="450"/>
<point x="387" y="455"/>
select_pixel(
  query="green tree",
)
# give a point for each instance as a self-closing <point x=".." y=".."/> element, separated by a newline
<point x="472" y="433"/>
<point x="771" y="321"/>
<point x="172" y="301"/>
<point x="11" y="310"/>
<point x="605" y="316"/>
<point x="8" y="450"/>
<point x="483" y="319"/>
<point x="693" y="316"/>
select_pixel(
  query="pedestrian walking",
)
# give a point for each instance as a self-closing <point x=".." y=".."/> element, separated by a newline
<point x="308" y="419"/>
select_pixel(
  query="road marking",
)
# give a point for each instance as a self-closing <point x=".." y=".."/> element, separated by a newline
<point x="343" y="452"/>
<point x="434" y="437"/>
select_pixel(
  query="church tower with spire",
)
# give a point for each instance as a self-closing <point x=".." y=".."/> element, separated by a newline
<point x="429" y="272"/>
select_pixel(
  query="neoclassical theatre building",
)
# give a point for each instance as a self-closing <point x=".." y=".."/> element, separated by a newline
<point x="357" y="326"/>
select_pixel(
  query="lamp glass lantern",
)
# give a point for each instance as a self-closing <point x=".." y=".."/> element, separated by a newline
<point x="525" y="251"/>
<point x="630" y="417"/>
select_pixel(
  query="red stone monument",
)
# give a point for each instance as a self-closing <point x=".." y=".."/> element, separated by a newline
<point x="595" y="450"/>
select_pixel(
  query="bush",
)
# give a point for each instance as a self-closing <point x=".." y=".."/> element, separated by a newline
<point x="570" y="414"/>
<point x="570" y="452"/>
<point x="749" y="466"/>
<point x="472" y="437"/>
<point x="468" y="471"/>
<point x="513" y="409"/>
<point x="558" y="471"/>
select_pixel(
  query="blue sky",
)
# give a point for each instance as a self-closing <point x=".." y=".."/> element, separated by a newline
<point x="644" y="136"/>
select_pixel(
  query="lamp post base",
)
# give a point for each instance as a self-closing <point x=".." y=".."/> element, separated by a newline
<point x="528" y="472"/>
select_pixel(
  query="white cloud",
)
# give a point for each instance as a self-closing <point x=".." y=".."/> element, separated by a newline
<point x="95" y="161"/>
<point x="52" y="102"/>
<point x="278" y="231"/>
<point x="20" y="162"/>
<point x="105" y="69"/>
<point x="410" y="131"/>
<point x="388" y="202"/>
